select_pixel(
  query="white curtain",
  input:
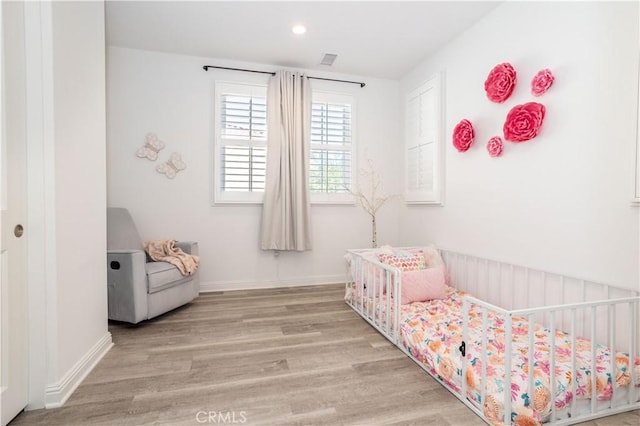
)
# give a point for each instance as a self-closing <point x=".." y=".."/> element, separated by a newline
<point x="285" y="213"/>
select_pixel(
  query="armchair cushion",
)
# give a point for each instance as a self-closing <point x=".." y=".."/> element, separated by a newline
<point x="162" y="275"/>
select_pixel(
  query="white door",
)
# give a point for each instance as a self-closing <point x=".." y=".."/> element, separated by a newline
<point x="13" y="288"/>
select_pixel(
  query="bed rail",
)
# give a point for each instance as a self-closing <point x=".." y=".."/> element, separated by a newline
<point x="589" y="309"/>
<point x="549" y="304"/>
<point x="374" y="287"/>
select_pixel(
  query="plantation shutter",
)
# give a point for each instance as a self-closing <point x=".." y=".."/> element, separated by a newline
<point x="423" y="144"/>
<point x="244" y="119"/>
<point x="241" y="142"/>
<point x="330" y="168"/>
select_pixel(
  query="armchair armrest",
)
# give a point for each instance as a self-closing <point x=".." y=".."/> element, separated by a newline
<point x="127" y="285"/>
<point x="189" y="247"/>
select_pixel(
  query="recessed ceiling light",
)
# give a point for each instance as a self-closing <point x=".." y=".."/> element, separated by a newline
<point x="299" y="29"/>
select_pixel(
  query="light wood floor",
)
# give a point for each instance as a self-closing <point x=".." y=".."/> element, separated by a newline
<point x="278" y="356"/>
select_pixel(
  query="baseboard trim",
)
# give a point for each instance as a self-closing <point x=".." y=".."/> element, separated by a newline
<point x="212" y="286"/>
<point x="57" y="393"/>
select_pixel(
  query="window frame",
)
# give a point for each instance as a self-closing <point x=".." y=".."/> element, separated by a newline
<point x="219" y="195"/>
<point x="329" y="198"/>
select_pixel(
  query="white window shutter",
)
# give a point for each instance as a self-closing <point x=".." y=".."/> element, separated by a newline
<point x="424" y="144"/>
<point x="241" y="142"/>
<point x="332" y="145"/>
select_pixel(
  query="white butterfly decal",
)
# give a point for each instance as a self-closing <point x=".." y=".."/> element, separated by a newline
<point x="172" y="166"/>
<point x="151" y="147"/>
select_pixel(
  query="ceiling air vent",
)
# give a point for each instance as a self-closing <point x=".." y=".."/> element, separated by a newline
<point x="328" y="59"/>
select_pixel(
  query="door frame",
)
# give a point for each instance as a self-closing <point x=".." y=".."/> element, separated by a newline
<point x="41" y="251"/>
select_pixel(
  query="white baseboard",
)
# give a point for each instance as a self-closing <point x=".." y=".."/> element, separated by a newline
<point x="210" y="286"/>
<point x="56" y="394"/>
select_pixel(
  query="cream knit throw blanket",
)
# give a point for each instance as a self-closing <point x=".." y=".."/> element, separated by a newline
<point x="166" y="251"/>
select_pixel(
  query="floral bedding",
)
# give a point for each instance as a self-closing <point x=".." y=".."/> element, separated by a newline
<point x="432" y="333"/>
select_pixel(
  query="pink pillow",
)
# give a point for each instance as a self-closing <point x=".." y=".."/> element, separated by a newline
<point x="423" y="285"/>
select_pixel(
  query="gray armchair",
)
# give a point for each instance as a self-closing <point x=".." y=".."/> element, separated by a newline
<point x="139" y="288"/>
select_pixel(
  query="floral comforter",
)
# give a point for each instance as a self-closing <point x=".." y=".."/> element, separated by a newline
<point x="432" y="333"/>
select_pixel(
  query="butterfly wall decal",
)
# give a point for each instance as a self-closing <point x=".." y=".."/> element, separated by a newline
<point x="172" y="166"/>
<point x="152" y="146"/>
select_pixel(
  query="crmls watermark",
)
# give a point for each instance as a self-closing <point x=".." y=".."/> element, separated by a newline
<point x="222" y="417"/>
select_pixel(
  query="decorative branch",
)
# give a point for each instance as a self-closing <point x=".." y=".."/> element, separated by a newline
<point x="372" y="202"/>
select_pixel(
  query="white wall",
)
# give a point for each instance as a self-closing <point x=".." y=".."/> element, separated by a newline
<point x="80" y="178"/>
<point x="560" y="202"/>
<point x="66" y="193"/>
<point x="172" y="96"/>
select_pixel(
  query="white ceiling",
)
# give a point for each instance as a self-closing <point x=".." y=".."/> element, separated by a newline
<point x="377" y="39"/>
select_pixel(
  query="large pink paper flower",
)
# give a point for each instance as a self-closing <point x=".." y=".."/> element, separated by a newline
<point x="463" y="135"/>
<point x="523" y="122"/>
<point x="494" y="146"/>
<point x="541" y="82"/>
<point x="500" y="82"/>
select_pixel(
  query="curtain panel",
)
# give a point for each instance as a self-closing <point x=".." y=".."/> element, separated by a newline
<point x="286" y="221"/>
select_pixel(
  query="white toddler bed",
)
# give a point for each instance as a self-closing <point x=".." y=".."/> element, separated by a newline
<point x="518" y="318"/>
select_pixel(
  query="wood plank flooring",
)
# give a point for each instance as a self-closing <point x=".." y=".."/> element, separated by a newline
<point x="274" y="357"/>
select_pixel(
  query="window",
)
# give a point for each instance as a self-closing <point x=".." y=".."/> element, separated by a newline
<point x="332" y="147"/>
<point x="423" y="144"/>
<point x="240" y="150"/>
<point x="241" y="142"/>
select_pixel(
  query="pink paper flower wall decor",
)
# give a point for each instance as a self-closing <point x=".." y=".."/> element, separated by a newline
<point x="494" y="146"/>
<point x="463" y="135"/>
<point x="541" y="82"/>
<point x="500" y="82"/>
<point x="523" y="122"/>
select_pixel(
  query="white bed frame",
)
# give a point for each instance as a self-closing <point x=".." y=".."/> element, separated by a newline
<point x="581" y="307"/>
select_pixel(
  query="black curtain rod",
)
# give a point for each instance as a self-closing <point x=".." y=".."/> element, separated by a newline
<point x="206" y="68"/>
